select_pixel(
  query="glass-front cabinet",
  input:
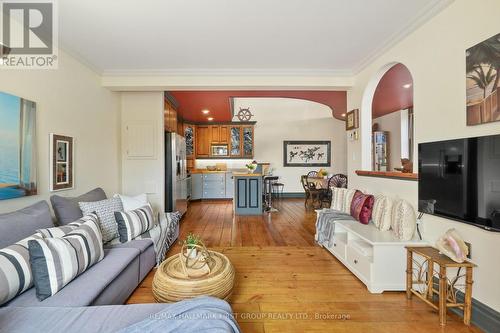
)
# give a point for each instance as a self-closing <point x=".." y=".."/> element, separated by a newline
<point x="189" y="136"/>
<point x="235" y="149"/>
<point x="247" y="141"/>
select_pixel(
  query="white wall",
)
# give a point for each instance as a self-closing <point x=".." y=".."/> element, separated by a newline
<point x="435" y="56"/>
<point x="280" y="119"/>
<point x="145" y="175"/>
<point x="392" y="123"/>
<point x="70" y="101"/>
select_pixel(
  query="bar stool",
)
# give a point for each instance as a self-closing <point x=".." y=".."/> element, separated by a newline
<point x="277" y="189"/>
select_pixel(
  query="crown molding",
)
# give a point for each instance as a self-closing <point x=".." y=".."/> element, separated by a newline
<point x="419" y="20"/>
<point x="205" y="72"/>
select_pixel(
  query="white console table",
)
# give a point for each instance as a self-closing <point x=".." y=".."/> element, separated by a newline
<point x="376" y="257"/>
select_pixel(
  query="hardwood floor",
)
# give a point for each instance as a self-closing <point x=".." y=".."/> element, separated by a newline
<point x="286" y="283"/>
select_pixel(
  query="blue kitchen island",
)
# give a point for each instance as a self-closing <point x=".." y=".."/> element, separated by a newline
<point x="247" y="193"/>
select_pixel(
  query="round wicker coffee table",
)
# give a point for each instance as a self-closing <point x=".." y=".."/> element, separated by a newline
<point x="170" y="283"/>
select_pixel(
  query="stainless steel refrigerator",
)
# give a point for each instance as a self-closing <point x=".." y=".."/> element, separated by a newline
<point x="176" y="196"/>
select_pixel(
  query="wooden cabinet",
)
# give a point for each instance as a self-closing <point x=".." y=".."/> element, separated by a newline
<point x="238" y="137"/>
<point x="203" y="139"/>
<point x="170" y="117"/>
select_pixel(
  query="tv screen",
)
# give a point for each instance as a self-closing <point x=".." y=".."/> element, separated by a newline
<point x="460" y="179"/>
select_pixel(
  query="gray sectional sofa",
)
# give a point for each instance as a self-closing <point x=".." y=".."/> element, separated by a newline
<point x="93" y="301"/>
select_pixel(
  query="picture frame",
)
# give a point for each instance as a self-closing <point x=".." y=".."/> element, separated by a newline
<point x="482" y="82"/>
<point x="352" y="120"/>
<point x="307" y="153"/>
<point x="61" y="162"/>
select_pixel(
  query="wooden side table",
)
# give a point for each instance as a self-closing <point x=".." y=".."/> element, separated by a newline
<point x="421" y="274"/>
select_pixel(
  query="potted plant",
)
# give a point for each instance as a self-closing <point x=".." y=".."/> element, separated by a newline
<point x="251" y="167"/>
<point x="323" y="173"/>
<point x="191" y="241"/>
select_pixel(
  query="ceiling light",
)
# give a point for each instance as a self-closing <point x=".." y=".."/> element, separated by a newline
<point x="205" y="111"/>
<point x="343" y="114"/>
<point x="406" y="86"/>
<point x="210" y="118"/>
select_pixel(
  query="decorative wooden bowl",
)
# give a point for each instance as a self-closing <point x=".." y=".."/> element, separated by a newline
<point x="172" y="284"/>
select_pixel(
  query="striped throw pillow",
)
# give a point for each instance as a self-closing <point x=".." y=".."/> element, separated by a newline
<point x="57" y="232"/>
<point x="134" y="223"/>
<point x="15" y="271"/>
<point x="55" y="262"/>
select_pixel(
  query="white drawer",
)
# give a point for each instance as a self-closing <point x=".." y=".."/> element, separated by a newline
<point x="359" y="263"/>
<point x="338" y="249"/>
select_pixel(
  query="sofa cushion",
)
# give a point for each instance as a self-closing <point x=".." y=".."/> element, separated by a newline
<point x="382" y="212"/>
<point x="87" y="287"/>
<point x="56" y="232"/>
<point x="105" y="209"/>
<point x="134" y="223"/>
<point x="15" y="270"/>
<point x="131" y="203"/>
<point x="57" y="261"/>
<point x="361" y="207"/>
<point x="67" y="210"/>
<point x="404" y="220"/>
<point x="23" y="223"/>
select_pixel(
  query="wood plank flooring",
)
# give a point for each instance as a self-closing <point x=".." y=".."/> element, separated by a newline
<point x="286" y="283"/>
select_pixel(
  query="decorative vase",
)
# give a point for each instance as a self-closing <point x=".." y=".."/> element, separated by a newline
<point x="191" y="253"/>
<point x="250" y="170"/>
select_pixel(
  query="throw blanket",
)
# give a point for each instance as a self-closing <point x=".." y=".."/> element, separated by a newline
<point x="201" y="314"/>
<point x="163" y="235"/>
<point x="325" y="228"/>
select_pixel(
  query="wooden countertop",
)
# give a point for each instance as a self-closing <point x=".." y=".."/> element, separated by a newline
<point x="208" y="171"/>
<point x="388" y="174"/>
<point x="241" y="174"/>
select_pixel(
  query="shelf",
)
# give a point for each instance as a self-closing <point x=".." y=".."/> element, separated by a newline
<point x="388" y="174"/>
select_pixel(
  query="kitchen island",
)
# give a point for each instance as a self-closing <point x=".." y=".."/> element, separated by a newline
<point x="247" y="193"/>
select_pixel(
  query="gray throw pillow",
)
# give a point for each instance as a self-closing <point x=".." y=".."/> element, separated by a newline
<point x="66" y="209"/>
<point x="105" y="210"/>
<point x="23" y="223"/>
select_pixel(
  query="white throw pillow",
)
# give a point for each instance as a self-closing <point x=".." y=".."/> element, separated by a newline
<point x="404" y="220"/>
<point x="382" y="212"/>
<point x="337" y="198"/>
<point x="349" y="193"/>
<point x="132" y="203"/>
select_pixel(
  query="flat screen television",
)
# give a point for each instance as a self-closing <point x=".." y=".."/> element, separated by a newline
<point x="460" y="180"/>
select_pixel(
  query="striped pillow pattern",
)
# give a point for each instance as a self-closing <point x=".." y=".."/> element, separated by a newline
<point x="55" y="262"/>
<point x="134" y="223"/>
<point x="57" y="232"/>
<point x="15" y="271"/>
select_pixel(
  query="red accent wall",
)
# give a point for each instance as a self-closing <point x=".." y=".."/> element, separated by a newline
<point x="218" y="102"/>
<point x="390" y="95"/>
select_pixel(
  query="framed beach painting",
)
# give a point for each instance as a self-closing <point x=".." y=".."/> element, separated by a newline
<point x="18" y="164"/>
<point x="307" y="153"/>
<point x="61" y="162"/>
<point x="482" y="81"/>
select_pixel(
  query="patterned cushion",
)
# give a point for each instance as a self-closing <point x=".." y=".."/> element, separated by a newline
<point x="404" y="220"/>
<point x="134" y="223"/>
<point x="15" y="271"/>
<point x="382" y="212"/>
<point x="105" y="210"/>
<point x="361" y="207"/>
<point x="338" y="198"/>
<point x="348" y="194"/>
<point x="55" y="262"/>
<point x="56" y="232"/>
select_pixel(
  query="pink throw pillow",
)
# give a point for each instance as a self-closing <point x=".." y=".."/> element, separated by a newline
<point x="361" y="206"/>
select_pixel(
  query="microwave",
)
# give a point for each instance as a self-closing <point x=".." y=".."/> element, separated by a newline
<point x="220" y="150"/>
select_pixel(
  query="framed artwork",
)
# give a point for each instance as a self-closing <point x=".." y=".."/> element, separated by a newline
<point x="61" y="162"/>
<point x="482" y="81"/>
<point x="307" y="153"/>
<point x="352" y="120"/>
<point x="18" y="151"/>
